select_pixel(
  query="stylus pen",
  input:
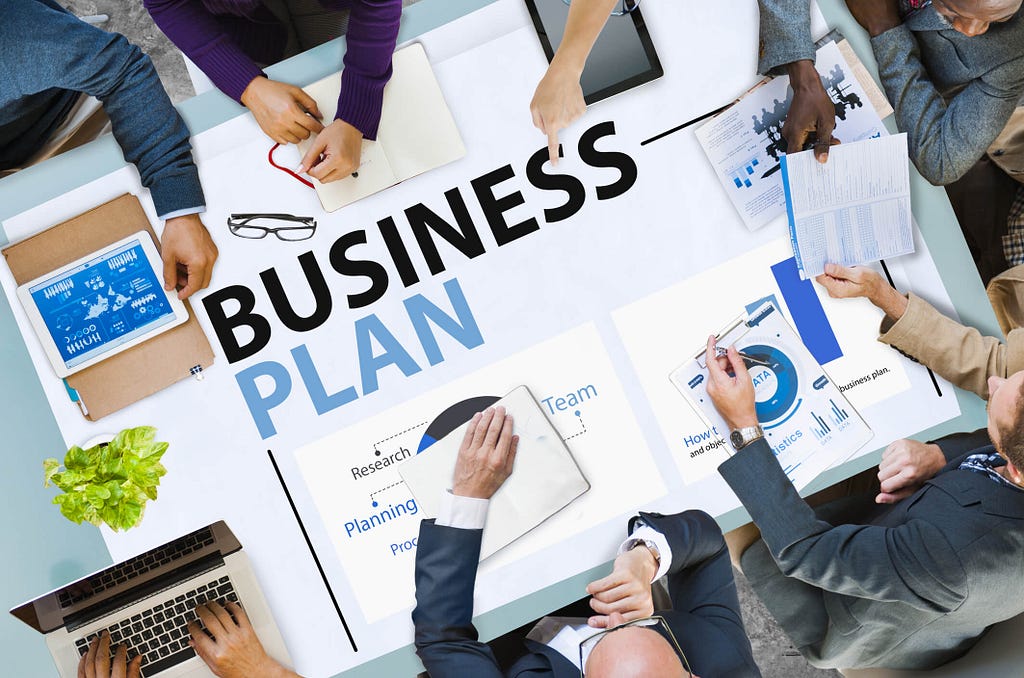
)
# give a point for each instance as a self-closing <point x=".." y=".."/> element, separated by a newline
<point x="750" y="359"/>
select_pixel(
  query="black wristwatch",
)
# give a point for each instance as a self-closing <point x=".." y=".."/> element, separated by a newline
<point x="741" y="437"/>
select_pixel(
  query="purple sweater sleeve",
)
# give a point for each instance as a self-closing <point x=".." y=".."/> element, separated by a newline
<point x="203" y="38"/>
<point x="372" y="33"/>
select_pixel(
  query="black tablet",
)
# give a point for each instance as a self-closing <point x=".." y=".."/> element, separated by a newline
<point x="623" y="56"/>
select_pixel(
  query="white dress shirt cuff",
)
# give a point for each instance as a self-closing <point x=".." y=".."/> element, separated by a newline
<point x="185" y="212"/>
<point x="466" y="513"/>
<point x="645" y="532"/>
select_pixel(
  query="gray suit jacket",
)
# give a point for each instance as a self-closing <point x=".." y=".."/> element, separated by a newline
<point x="952" y="94"/>
<point x="910" y="586"/>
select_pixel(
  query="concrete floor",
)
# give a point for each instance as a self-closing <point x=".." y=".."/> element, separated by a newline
<point x="773" y="652"/>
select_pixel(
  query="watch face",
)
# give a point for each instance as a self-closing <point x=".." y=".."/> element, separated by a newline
<point x="737" y="439"/>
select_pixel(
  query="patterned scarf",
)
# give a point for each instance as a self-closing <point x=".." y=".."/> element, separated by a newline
<point x="986" y="464"/>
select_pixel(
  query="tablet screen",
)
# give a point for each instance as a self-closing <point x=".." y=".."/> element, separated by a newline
<point x="623" y="56"/>
<point x="102" y="303"/>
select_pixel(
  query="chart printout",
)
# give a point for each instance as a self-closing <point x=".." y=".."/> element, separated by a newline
<point x="807" y="421"/>
<point x="854" y="209"/>
<point x="745" y="145"/>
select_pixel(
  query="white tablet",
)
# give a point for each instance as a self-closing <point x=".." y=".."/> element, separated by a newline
<point x="101" y="304"/>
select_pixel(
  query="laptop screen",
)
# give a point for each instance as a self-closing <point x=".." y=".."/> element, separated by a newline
<point x="123" y="583"/>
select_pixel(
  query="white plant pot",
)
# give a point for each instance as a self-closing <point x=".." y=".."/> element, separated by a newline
<point x="98" y="439"/>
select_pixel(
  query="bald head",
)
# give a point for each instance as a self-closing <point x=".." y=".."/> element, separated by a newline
<point x="634" y="652"/>
<point x="974" y="17"/>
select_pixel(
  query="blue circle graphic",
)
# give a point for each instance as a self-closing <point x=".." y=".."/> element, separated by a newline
<point x="784" y="371"/>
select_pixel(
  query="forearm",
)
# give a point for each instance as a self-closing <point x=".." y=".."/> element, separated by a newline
<point x="585" y="22"/>
<point x="86" y="59"/>
<point x="154" y="138"/>
<point x="370" y="43"/>
<point x="944" y="139"/>
<point x="446" y="640"/>
<point x="785" y="34"/>
<point x="861" y="560"/>
<point x="958" y="353"/>
<point x="201" y="37"/>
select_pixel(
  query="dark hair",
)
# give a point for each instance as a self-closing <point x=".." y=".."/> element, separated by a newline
<point x="1011" y="438"/>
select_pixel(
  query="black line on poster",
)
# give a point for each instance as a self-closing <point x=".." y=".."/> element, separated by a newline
<point x="312" y="552"/>
<point x="931" y="374"/>
<point x="686" y="124"/>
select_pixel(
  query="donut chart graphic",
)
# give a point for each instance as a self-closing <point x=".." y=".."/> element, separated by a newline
<point x="787" y="383"/>
<point x="454" y="417"/>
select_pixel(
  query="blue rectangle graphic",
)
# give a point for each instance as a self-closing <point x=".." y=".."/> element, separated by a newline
<point x="805" y="308"/>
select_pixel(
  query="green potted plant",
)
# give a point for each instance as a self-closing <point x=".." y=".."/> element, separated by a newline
<point x="109" y="482"/>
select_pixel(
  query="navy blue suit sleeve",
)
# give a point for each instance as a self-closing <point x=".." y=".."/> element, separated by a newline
<point x="446" y="640"/>
<point x="706" y="609"/>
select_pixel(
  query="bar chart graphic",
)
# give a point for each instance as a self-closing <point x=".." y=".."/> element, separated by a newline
<point x="836" y="416"/>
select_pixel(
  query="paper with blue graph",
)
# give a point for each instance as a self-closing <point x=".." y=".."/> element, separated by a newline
<point x="745" y="143"/>
<point x="807" y="421"/>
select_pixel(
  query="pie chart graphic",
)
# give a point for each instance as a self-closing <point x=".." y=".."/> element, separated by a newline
<point x="777" y="390"/>
<point x="454" y="417"/>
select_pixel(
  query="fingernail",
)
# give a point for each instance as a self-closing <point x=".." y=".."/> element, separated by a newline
<point x="298" y="169"/>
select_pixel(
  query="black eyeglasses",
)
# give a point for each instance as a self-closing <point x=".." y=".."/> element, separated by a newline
<point x="287" y="227"/>
<point x="623" y="7"/>
<point x="656" y="623"/>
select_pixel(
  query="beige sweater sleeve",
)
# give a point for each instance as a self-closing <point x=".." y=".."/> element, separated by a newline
<point x="957" y="353"/>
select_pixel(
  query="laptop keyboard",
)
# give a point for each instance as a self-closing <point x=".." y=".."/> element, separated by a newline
<point x="160" y="634"/>
<point x="120" y="574"/>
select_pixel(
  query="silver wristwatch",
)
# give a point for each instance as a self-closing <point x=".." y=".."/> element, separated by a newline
<point x="741" y="437"/>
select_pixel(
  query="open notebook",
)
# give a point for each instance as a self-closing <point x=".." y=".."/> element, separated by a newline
<point x="416" y="133"/>
<point x="545" y="478"/>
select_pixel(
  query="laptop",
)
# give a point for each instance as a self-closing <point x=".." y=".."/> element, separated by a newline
<point x="145" y="602"/>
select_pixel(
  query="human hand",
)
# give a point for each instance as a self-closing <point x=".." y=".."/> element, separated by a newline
<point x="844" y="282"/>
<point x="234" y="651"/>
<point x="875" y="16"/>
<point x="810" y="111"/>
<point x="626" y="591"/>
<point x="733" y="396"/>
<point x="341" y="146"/>
<point x="188" y="253"/>
<point x="486" y="456"/>
<point x="906" y="465"/>
<point x="96" y="662"/>
<point x="557" y="103"/>
<point x="281" y="110"/>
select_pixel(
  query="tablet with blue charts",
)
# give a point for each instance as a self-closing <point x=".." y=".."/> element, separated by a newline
<point x="101" y="304"/>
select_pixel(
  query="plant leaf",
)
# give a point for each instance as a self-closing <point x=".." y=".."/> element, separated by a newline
<point x="50" y="469"/>
<point x="72" y="505"/>
<point x="116" y="491"/>
<point x="138" y="438"/>
<point x="109" y="483"/>
<point x="77" y="458"/>
<point x="97" y="495"/>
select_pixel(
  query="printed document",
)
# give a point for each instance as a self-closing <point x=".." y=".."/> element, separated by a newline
<point x="807" y="421"/>
<point x="744" y="143"/>
<point x="854" y="209"/>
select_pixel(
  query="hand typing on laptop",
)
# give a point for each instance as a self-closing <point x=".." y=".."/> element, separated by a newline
<point x="229" y="645"/>
<point x="226" y="641"/>
<point x="97" y="663"/>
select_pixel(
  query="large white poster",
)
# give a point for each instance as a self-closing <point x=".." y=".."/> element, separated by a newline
<point x="588" y="282"/>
